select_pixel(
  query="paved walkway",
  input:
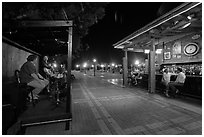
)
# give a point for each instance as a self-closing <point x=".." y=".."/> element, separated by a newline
<point x="102" y="108"/>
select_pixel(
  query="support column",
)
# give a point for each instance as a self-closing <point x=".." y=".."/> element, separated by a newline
<point x="125" y="69"/>
<point x="152" y="81"/>
<point x="69" y="67"/>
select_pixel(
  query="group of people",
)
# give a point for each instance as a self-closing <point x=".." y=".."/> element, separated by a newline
<point x="30" y="76"/>
<point x="135" y="77"/>
<point x="171" y="85"/>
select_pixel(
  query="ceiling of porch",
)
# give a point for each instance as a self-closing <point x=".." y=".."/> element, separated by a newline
<point x="166" y="30"/>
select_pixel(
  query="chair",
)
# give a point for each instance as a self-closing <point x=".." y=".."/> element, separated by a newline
<point x="24" y="86"/>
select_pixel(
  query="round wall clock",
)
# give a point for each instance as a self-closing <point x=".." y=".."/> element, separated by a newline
<point x="191" y="49"/>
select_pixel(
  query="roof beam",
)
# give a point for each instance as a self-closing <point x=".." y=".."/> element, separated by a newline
<point x="37" y="23"/>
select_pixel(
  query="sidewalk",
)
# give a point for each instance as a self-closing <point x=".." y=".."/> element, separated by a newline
<point x="101" y="108"/>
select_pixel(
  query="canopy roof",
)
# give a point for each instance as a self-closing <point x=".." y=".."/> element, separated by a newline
<point x="41" y="36"/>
<point x="184" y="20"/>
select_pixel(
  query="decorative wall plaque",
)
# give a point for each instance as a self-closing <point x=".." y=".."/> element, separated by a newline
<point x="191" y="49"/>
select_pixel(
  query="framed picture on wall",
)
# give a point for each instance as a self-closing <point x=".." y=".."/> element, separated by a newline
<point x="167" y="55"/>
<point x="176" y="49"/>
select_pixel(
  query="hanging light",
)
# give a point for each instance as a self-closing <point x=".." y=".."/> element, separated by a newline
<point x="186" y="25"/>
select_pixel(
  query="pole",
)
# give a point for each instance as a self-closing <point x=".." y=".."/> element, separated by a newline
<point x="94" y="69"/>
<point x="69" y="63"/>
<point x="125" y="69"/>
<point x="152" y="68"/>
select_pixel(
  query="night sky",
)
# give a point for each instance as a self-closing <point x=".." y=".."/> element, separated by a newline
<point x="120" y="20"/>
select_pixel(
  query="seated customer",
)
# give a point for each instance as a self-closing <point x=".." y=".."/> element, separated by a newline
<point x="166" y="78"/>
<point x="29" y="75"/>
<point x="178" y="82"/>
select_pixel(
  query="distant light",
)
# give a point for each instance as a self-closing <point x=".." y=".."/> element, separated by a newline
<point x="77" y="66"/>
<point x="158" y="51"/>
<point x="102" y="65"/>
<point x="85" y="64"/>
<point x="55" y="65"/>
<point x="92" y="66"/>
<point x="116" y="66"/>
<point x="94" y="60"/>
<point x="137" y="62"/>
<point x="113" y="64"/>
<point x="130" y="49"/>
<point x="146" y="51"/>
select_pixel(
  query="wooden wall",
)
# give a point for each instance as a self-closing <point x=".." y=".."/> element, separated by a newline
<point x="12" y="59"/>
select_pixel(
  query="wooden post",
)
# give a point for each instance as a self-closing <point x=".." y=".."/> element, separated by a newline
<point x="69" y="67"/>
<point x="125" y="69"/>
<point x="152" y="81"/>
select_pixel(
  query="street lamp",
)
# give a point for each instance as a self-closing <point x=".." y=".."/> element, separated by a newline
<point x="85" y="64"/>
<point x="94" y="60"/>
<point x="77" y="66"/>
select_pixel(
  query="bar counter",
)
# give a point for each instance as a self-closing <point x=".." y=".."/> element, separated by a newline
<point x="192" y="86"/>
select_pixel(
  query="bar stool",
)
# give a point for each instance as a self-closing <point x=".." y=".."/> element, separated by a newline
<point x="24" y="86"/>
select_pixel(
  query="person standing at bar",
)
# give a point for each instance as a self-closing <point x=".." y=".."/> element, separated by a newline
<point x="30" y="76"/>
<point x="166" y="79"/>
<point x="178" y="82"/>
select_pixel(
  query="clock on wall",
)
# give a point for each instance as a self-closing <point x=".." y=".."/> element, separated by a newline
<point x="191" y="49"/>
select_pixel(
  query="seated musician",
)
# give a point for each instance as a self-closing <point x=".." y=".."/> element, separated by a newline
<point x="47" y="70"/>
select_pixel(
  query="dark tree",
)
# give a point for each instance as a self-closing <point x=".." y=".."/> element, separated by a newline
<point x="83" y="14"/>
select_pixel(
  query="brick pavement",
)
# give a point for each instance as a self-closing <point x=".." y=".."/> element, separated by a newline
<point x="112" y="110"/>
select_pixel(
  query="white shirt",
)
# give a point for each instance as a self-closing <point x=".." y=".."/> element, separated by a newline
<point x="181" y="78"/>
<point x="166" y="77"/>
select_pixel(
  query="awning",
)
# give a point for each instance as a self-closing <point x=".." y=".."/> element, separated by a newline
<point x="184" y="20"/>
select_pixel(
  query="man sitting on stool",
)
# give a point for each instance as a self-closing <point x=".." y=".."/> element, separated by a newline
<point x="179" y="82"/>
<point x="29" y="75"/>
